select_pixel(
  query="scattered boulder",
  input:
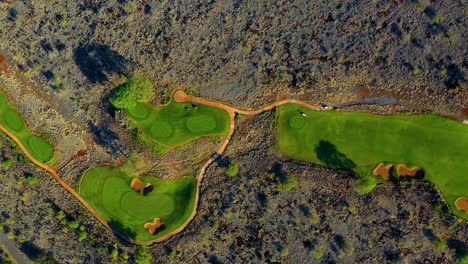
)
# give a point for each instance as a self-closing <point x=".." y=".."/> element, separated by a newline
<point x="154" y="226"/>
<point x="138" y="186"/>
<point x="402" y="170"/>
<point x="382" y="170"/>
<point x="462" y="204"/>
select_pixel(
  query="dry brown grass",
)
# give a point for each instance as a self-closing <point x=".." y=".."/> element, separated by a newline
<point x="382" y="170"/>
<point x="462" y="204"/>
<point x="154" y="226"/>
<point x="402" y="170"/>
<point x="138" y="186"/>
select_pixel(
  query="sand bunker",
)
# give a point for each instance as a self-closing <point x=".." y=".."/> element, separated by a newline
<point x="402" y="170"/>
<point x="462" y="204"/>
<point x="382" y="170"/>
<point x="153" y="227"/>
<point x="138" y="186"/>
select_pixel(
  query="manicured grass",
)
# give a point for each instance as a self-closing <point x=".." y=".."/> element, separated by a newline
<point x="179" y="123"/>
<point x="107" y="190"/>
<point x="359" y="141"/>
<point x="39" y="148"/>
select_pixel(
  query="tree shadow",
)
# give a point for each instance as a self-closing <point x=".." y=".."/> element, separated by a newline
<point x="102" y="135"/>
<point x="279" y="174"/>
<point x="223" y="161"/>
<point x="331" y="157"/>
<point x="97" y="62"/>
<point x="460" y="247"/>
<point x="118" y="228"/>
<point x="35" y="253"/>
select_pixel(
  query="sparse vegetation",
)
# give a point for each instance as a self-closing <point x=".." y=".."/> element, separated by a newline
<point x="232" y="170"/>
<point x="32" y="180"/>
<point x="244" y="53"/>
<point x="142" y="256"/>
<point x="289" y="183"/>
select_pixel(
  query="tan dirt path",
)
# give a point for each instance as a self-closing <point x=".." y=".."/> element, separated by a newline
<point x="179" y="96"/>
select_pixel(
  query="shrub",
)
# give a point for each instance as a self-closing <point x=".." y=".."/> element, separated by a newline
<point x="32" y="180"/>
<point x="142" y="256"/>
<point x="232" y="170"/>
<point x="61" y="215"/>
<point x="83" y="236"/>
<point x="124" y="255"/>
<point x="115" y="252"/>
<point x="173" y="254"/>
<point x="11" y="235"/>
<point x="74" y="224"/>
<point x="137" y="89"/>
<point x="289" y="183"/>
<point x="7" y="163"/>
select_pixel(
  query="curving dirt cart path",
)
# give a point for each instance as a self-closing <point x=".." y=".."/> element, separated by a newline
<point x="179" y="96"/>
<point x="56" y="177"/>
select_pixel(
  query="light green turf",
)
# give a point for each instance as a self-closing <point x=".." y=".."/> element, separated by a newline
<point x="179" y="123"/>
<point x="359" y="141"/>
<point x="39" y="148"/>
<point x="107" y="190"/>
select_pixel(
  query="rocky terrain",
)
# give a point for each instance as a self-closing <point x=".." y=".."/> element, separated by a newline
<point x="247" y="54"/>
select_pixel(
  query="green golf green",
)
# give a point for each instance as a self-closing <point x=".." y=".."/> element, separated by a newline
<point x="107" y="190"/>
<point x="39" y="148"/>
<point x="359" y="141"/>
<point x="179" y="123"/>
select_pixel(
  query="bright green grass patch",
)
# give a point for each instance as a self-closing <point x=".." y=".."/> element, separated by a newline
<point x="232" y="170"/>
<point x="179" y="123"/>
<point x="39" y="148"/>
<point x="359" y="141"/>
<point x="107" y="190"/>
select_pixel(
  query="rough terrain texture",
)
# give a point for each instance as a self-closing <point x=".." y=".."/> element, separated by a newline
<point x="247" y="53"/>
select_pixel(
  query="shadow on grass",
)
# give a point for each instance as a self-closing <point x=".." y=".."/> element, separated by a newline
<point x="147" y="190"/>
<point x="120" y="229"/>
<point x="331" y="157"/>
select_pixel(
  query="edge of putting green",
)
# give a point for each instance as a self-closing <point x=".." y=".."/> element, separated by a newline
<point x="343" y="129"/>
<point x="37" y="146"/>
<point x="179" y="195"/>
<point x="171" y="126"/>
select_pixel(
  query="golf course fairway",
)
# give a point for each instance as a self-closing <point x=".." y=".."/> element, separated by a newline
<point x="177" y="123"/>
<point x="107" y="190"/>
<point x="39" y="148"/>
<point x="359" y="141"/>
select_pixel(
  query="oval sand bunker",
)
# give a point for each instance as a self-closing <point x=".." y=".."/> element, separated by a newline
<point x="462" y="204"/>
